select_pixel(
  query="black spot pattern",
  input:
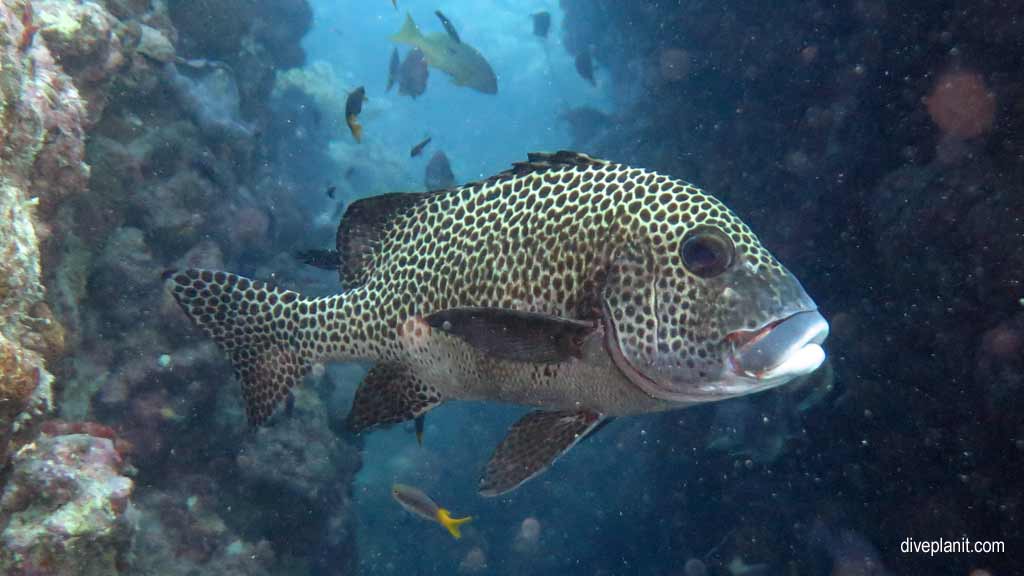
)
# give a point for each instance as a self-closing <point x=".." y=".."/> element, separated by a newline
<point x="532" y="444"/>
<point x="390" y="394"/>
<point x="539" y="238"/>
<point x="272" y="336"/>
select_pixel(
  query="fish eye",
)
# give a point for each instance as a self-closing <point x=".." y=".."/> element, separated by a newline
<point x="707" y="252"/>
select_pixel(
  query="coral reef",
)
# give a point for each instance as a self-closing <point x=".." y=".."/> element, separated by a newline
<point x="64" y="509"/>
<point x="132" y="144"/>
<point x="41" y="119"/>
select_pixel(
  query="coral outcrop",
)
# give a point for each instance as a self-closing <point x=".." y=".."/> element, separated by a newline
<point x="42" y="120"/>
<point x="132" y="142"/>
<point x="64" y="509"/>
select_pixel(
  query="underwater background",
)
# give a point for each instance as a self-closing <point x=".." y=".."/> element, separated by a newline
<point x="875" y="147"/>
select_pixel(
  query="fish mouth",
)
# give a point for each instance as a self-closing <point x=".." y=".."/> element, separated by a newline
<point x="785" y="348"/>
<point x="756" y="360"/>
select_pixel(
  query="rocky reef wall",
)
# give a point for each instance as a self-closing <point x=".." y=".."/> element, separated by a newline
<point x="876" y="147"/>
<point x="132" y="144"/>
<point x="42" y="122"/>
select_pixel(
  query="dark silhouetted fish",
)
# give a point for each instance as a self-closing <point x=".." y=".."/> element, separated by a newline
<point x="541" y="24"/>
<point x="448" y="26"/>
<point x="393" y="69"/>
<point x="326" y="259"/>
<point x="585" y="66"/>
<point x="330" y="191"/>
<point x="353" y="106"/>
<point x="457" y="59"/>
<point x="417" y="149"/>
<point x="584" y="288"/>
<point x="413" y="74"/>
<point x="438" y="175"/>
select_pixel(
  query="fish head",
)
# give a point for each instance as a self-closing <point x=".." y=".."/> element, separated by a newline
<point x="696" y="310"/>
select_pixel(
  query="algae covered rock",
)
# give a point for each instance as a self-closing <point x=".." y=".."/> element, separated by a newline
<point x="154" y="44"/>
<point x="63" y="510"/>
<point x="40" y="162"/>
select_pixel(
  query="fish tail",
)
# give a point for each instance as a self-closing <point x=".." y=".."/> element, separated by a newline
<point x="272" y="336"/>
<point x="452" y="524"/>
<point x="355" y="127"/>
<point x="410" y="32"/>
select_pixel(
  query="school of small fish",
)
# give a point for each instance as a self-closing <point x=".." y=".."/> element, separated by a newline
<point x="463" y="63"/>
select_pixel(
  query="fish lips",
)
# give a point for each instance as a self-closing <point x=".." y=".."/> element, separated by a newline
<point x="757" y="360"/>
<point x="786" y="348"/>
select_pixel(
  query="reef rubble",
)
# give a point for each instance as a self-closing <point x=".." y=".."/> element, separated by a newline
<point x="65" y="507"/>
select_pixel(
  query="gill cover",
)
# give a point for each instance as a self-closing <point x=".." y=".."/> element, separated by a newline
<point x="629" y="301"/>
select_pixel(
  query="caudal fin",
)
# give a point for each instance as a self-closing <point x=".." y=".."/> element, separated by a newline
<point x="409" y="34"/>
<point x="452" y="524"/>
<point x="272" y="336"/>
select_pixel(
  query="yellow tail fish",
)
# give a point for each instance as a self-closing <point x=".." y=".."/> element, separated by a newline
<point x="415" y="501"/>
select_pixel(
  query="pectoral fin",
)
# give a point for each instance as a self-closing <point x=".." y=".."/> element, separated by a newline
<point x="390" y="394"/>
<point x="532" y="444"/>
<point x="515" y="335"/>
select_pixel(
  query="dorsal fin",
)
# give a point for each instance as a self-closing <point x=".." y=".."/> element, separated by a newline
<point x="361" y="229"/>
<point x="543" y="160"/>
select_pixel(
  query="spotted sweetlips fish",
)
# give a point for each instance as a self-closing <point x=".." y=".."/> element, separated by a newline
<point x="580" y="287"/>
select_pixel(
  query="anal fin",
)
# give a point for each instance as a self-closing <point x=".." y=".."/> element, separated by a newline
<point x="533" y="443"/>
<point x="391" y="393"/>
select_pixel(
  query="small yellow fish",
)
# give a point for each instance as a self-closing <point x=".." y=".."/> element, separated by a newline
<point x="353" y="106"/>
<point x="415" y="501"/>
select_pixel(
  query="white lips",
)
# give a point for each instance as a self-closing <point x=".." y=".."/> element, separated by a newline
<point x="786" y="349"/>
<point x="801" y="362"/>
